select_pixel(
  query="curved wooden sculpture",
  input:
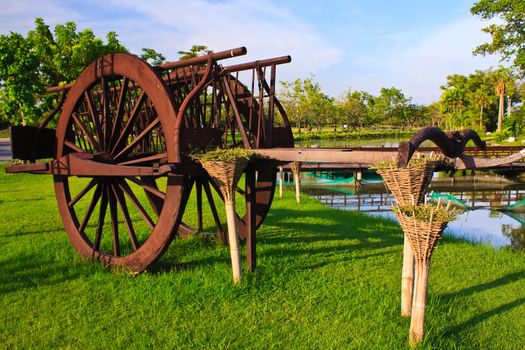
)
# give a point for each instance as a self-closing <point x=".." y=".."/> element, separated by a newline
<point x="452" y="143"/>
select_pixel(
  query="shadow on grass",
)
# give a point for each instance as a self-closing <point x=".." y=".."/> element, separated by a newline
<point x="28" y="233"/>
<point x="354" y="232"/>
<point x="483" y="316"/>
<point x="512" y="277"/>
<point x="24" y="272"/>
<point x="288" y="233"/>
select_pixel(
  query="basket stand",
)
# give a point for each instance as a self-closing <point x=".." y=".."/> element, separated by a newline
<point x="408" y="186"/>
<point x="226" y="175"/>
<point x="423" y="238"/>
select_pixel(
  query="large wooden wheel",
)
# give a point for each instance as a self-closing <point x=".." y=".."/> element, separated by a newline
<point x="209" y="120"/>
<point x="120" y="113"/>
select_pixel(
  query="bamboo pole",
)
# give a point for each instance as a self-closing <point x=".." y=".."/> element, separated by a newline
<point x="407" y="279"/>
<point x="417" y="322"/>
<point x="233" y="240"/>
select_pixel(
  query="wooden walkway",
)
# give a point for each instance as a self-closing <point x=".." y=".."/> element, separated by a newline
<point x="391" y="152"/>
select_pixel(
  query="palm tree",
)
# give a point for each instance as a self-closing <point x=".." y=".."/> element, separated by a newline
<point x="482" y="100"/>
<point x="502" y="81"/>
<point x="501" y="84"/>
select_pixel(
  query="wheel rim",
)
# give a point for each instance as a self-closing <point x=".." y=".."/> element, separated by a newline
<point x="120" y="112"/>
<point x="196" y="129"/>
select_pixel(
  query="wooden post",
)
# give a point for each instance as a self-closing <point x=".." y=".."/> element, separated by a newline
<point x="251" y="256"/>
<point x="296" y="169"/>
<point x="281" y="180"/>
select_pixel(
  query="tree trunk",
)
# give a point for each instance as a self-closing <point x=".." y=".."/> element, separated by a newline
<point x="501" y="110"/>
<point x="481" y="118"/>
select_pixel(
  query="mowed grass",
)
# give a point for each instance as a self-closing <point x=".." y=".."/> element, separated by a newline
<point x="326" y="279"/>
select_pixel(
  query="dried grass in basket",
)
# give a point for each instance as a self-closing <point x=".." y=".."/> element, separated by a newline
<point x="226" y="174"/>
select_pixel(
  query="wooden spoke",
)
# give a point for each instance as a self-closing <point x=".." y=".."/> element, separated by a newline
<point x="121" y="141"/>
<point x="139" y="138"/>
<point x="106" y="113"/>
<point x="82" y="193"/>
<point x="148" y="187"/>
<point x="101" y="218"/>
<point x="85" y="132"/>
<point x="127" y="219"/>
<point x="156" y="157"/>
<point x="91" y="207"/>
<point x="73" y="146"/>
<point x="120" y="110"/>
<point x="93" y="113"/>
<point x="211" y="202"/>
<point x="114" y="219"/>
<point x="240" y="190"/>
<point x="198" y="187"/>
<point x="136" y="203"/>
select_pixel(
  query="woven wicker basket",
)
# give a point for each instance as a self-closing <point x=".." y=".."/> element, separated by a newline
<point x="408" y="185"/>
<point x="423" y="236"/>
<point x="226" y="174"/>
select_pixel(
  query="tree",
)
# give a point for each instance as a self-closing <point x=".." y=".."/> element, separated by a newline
<point x="196" y="50"/>
<point x="20" y="83"/>
<point x="508" y="36"/>
<point x="306" y="103"/>
<point x="353" y="108"/>
<point x="482" y="100"/>
<point x="30" y="64"/>
<point x="152" y="57"/>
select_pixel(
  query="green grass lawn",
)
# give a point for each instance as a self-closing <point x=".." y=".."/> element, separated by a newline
<point x="326" y="279"/>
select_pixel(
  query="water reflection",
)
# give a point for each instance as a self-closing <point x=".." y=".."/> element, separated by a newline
<point x="485" y="220"/>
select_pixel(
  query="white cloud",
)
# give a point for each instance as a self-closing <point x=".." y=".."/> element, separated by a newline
<point x="266" y="29"/>
<point x="422" y="64"/>
<point x="19" y="16"/>
<point x="416" y="62"/>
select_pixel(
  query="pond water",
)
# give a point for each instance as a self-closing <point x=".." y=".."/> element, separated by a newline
<point x="482" y="196"/>
<point x="484" y="199"/>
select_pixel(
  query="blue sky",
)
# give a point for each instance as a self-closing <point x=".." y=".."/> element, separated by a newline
<point x="354" y="44"/>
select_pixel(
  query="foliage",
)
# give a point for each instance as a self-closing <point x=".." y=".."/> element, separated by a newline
<point x="354" y="134"/>
<point x="428" y="212"/>
<point x="152" y="57"/>
<point x="414" y="161"/>
<point x="306" y="104"/>
<point x="196" y="50"/>
<point x="223" y="155"/>
<point x="41" y="59"/>
<point x="508" y="37"/>
<point x="501" y="135"/>
<point x="477" y="100"/>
